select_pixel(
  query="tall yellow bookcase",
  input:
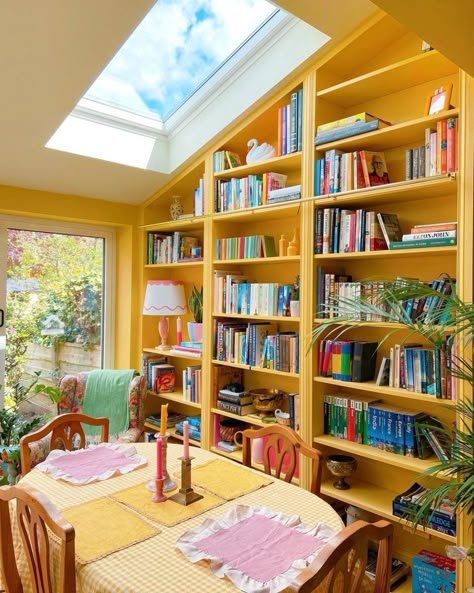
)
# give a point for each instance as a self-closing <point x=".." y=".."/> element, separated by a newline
<point x="380" y="69"/>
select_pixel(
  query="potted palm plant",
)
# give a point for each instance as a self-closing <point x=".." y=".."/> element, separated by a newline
<point x="451" y="315"/>
<point x="195" y="305"/>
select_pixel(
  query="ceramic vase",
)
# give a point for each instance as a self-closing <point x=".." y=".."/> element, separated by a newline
<point x="176" y="207"/>
<point x="282" y="246"/>
<point x="294" y="244"/>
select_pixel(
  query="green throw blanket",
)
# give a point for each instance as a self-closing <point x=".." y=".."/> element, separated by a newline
<point x="106" y="395"/>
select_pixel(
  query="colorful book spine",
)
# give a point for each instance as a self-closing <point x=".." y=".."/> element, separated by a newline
<point x="339" y="133"/>
<point x="439" y="242"/>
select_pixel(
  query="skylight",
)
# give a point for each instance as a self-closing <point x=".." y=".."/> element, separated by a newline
<point x="174" y="50"/>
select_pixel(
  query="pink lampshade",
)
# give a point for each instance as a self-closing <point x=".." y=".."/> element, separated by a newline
<point x="164" y="297"/>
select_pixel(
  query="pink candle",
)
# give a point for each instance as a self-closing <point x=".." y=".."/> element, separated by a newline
<point x="179" y="331"/>
<point x="159" y="458"/>
<point x="186" y="439"/>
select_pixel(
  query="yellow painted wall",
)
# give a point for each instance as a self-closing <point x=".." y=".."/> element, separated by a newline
<point x="123" y="218"/>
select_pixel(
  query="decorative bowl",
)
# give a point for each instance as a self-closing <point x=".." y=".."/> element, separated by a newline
<point x="341" y="466"/>
<point x="266" y="401"/>
<point x="228" y="427"/>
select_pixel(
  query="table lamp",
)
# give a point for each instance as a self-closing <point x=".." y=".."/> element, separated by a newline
<point x="165" y="298"/>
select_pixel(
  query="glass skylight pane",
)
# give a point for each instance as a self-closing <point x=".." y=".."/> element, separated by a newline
<point x="177" y="46"/>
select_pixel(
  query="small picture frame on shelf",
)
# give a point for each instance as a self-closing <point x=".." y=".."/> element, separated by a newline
<point x="439" y="100"/>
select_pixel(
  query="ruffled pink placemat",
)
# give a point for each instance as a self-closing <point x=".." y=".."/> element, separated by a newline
<point x="97" y="462"/>
<point x="259" y="550"/>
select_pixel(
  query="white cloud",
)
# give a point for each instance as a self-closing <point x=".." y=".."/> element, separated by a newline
<point x="174" y="49"/>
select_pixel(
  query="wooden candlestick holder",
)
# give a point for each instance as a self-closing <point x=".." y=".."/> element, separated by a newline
<point x="186" y="494"/>
<point x="159" y="496"/>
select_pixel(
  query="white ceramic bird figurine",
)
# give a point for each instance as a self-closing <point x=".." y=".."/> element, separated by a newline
<point x="259" y="153"/>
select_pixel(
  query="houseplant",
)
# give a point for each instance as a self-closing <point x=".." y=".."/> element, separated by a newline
<point x="14" y="424"/>
<point x="453" y="316"/>
<point x="195" y="305"/>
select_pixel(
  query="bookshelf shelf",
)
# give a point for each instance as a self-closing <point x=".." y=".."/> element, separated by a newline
<point x="175" y="396"/>
<point x="257" y="317"/>
<point x="180" y="264"/>
<point x="410" y="190"/>
<point x="234" y="455"/>
<point x="256" y="369"/>
<point x="370" y="497"/>
<point x="281" y="164"/>
<point x="174" y="354"/>
<point x="267" y="212"/>
<point x="258" y="260"/>
<point x="383" y="81"/>
<point x="371" y="387"/>
<point x="195" y="223"/>
<point x="387" y="253"/>
<point x="401" y="461"/>
<point x="248" y="419"/>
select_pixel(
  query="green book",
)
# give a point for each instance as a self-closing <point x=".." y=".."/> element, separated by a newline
<point x="439" y="242"/>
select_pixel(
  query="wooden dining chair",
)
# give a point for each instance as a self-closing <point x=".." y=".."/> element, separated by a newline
<point x="283" y="447"/>
<point x="35" y="515"/>
<point x="340" y="566"/>
<point x="67" y="433"/>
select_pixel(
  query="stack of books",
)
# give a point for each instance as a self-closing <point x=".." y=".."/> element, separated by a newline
<point x="353" y="125"/>
<point x="189" y="348"/>
<point x="194" y="427"/>
<point x="239" y="403"/>
<point x="172" y="420"/>
<point x="428" y="235"/>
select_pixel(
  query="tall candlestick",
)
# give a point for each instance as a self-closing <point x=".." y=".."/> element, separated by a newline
<point x="163" y="419"/>
<point x="186" y="439"/>
<point x="179" y="331"/>
<point x="159" y="458"/>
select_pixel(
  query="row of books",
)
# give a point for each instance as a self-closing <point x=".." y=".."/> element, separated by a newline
<point x="149" y="360"/>
<point x="352" y="125"/>
<point x="168" y="248"/>
<point x="423" y="370"/>
<point x="290" y="125"/>
<point x="234" y="294"/>
<point x="192" y="383"/>
<point x="369" y="421"/>
<point x="239" y="403"/>
<point x="338" y="295"/>
<point x="246" y="247"/>
<point x="246" y="192"/>
<point x="423" y="235"/>
<point x="281" y="352"/>
<point x="339" y="171"/>
<point x="438" y="154"/>
<point x="347" y="360"/>
<point x="341" y="230"/>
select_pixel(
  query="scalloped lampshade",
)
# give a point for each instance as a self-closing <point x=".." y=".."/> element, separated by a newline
<point x="165" y="297"/>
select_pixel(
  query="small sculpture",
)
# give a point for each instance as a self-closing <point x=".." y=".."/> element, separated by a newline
<point x="259" y="153"/>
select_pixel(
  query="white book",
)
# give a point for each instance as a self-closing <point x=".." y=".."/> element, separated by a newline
<point x="430" y="235"/>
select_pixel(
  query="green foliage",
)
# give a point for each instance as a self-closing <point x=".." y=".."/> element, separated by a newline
<point x="456" y="318"/>
<point x="13" y="424"/>
<point x="196" y="303"/>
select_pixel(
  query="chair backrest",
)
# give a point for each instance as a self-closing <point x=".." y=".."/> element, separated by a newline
<point x="341" y="563"/>
<point x="35" y="515"/>
<point x="283" y="446"/>
<point x="66" y="432"/>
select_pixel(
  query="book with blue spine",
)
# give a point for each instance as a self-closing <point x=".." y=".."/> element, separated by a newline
<point x="341" y="132"/>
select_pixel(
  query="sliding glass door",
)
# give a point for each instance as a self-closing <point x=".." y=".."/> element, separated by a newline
<point x="55" y="291"/>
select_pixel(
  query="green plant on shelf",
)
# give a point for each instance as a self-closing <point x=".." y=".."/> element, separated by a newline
<point x="451" y="316"/>
<point x="196" y="303"/>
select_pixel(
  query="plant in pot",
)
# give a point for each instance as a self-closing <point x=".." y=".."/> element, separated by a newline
<point x="14" y="424"/>
<point x="446" y="315"/>
<point x="195" y="305"/>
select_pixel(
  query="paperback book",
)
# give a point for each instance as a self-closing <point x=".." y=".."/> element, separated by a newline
<point x="390" y="227"/>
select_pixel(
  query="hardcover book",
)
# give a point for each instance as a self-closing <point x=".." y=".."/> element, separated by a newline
<point x="235" y="408"/>
<point x="350" y="120"/>
<point x="164" y="378"/>
<point x="390" y="227"/>
<point x="419" y="243"/>
<point x="241" y="398"/>
<point x="374" y="168"/>
<point x="341" y="132"/>
<point x="363" y="361"/>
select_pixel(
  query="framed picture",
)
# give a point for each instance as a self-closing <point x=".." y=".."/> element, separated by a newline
<point x="439" y="101"/>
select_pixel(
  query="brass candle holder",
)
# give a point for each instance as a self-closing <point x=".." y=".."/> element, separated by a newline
<point x="186" y="494"/>
<point x="159" y="496"/>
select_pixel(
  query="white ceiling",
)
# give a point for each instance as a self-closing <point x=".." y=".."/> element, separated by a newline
<point x="51" y="52"/>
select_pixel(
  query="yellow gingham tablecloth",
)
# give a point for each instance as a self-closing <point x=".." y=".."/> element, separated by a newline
<point x="155" y="564"/>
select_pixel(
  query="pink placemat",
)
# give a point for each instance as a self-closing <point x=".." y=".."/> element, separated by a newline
<point x="97" y="462"/>
<point x="258" y="549"/>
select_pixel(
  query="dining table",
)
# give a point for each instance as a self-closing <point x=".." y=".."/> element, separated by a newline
<point x="149" y="560"/>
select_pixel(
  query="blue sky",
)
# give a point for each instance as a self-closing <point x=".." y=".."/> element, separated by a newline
<point x="177" y="45"/>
